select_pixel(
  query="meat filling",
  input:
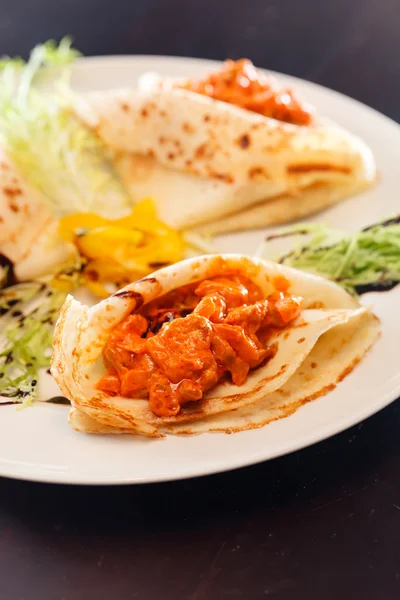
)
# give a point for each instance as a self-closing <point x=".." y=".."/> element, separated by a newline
<point x="239" y="83"/>
<point x="181" y="345"/>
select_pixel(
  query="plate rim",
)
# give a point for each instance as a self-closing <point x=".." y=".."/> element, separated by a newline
<point x="329" y="431"/>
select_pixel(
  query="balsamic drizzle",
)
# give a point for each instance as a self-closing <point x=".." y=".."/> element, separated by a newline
<point x="54" y="400"/>
<point x="8" y="266"/>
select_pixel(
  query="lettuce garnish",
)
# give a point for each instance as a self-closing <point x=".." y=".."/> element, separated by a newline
<point x="367" y="260"/>
<point x="28" y="315"/>
<point x="54" y="152"/>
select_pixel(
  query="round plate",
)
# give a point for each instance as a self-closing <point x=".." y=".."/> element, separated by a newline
<point x="37" y="444"/>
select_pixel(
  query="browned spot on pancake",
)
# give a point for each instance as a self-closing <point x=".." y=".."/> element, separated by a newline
<point x="244" y="141"/>
<point x="170" y="156"/>
<point x="150" y="153"/>
<point x="12" y="192"/>
<point x="188" y="128"/>
<point x="161" y="139"/>
<point x="201" y="151"/>
<point x="301" y="340"/>
<point x="206" y="118"/>
<point x="300" y="325"/>
<point x="125" y="107"/>
<point x="282" y="392"/>
<point x="257" y="173"/>
<point x="144" y="112"/>
<point x="185" y="432"/>
<point x="163" y="113"/>
<point x="286" y="335"/>
<point x="188" y="162"/>
<point x="314" y="365"/>
<point x="131" y="295"/>
<point x="348" y="369"/>
<point x="307" y="168"/>
<point x="226" y="177"/>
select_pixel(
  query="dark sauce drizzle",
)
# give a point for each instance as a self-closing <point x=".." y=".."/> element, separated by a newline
<point x="8" y="265"/>
<point x="54" y="400"/>
<point x="58" y="400"/>
<point x="376" y="286"/>
<point x="392" y="221"/>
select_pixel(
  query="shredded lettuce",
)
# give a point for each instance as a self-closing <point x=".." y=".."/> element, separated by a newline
<point x="28" y="315"/>
<point x="58" y="155"/>
<point x="364" y="261"/>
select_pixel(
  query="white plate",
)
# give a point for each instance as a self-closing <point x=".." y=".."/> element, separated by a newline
<point x="37" y="443"/>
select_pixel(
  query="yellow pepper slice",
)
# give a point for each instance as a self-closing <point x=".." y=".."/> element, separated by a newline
<point x="105" y="243"/>
<point x="122" y="250"/>
<point x="70" y="225"/>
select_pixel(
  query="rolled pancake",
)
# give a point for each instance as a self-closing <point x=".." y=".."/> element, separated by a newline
<point x="81" y="335"/>
<point x="207" y="159"/>
<point x="282" y="209"/>
<point x="28" y="232"/>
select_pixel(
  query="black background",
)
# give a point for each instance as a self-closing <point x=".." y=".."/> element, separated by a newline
<point x="323" y="523"/>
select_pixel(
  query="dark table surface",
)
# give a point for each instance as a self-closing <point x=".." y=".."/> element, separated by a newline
<point x="320" y="523"/>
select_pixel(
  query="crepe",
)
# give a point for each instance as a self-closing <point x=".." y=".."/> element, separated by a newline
<point x="312" y="355"/>
<point x="28" y="232"/>
<point x="203" y="160"/>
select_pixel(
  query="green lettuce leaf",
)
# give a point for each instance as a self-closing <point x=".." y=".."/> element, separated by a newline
<point x="363" y="261"/>
<point x="28" y="315"/>
<point x="53" y="151"/>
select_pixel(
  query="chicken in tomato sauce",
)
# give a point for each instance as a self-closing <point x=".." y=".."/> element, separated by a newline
<point x="182" y="344"/>
<point x="240" y="83"/>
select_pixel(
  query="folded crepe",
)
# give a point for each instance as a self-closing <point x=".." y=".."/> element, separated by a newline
<point x="311" y="353"/>
<point x="28" y="232"/>
<point x="212" y="165"/>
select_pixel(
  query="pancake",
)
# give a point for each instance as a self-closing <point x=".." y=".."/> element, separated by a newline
<point x="207" y="162"/>
<point x="28" y="231"/>
<point x="311" y="355"/>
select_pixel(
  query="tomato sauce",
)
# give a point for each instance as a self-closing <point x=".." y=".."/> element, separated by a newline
<point x="239" y="83"/>
<point x="179" y="346"/>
